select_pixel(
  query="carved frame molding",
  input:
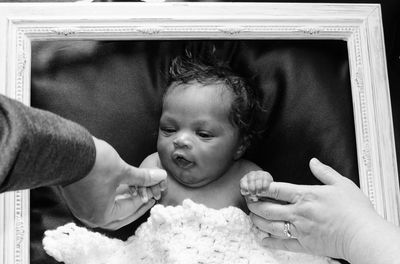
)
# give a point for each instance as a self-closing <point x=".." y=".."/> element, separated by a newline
<point x="360" y="25"/>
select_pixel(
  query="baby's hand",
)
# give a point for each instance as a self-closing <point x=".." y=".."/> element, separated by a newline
<point x="146" y="193"/>
<point x="255" y="184"/>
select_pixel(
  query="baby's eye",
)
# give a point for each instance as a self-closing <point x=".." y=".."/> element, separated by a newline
<point x="167" y="130"/>
<point x="204" y="134"/>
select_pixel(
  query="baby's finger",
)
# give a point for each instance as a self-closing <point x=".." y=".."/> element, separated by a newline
<point x="263" y="188"/>
<point x="265" y="184"/>
<point x="156" y="190"/>
<point x="259" y="185"/>
<point x="251" y="182"/>
<point x="133" y="190"/>
<point x="244" y="187"/>
<point x="163" y="185"/>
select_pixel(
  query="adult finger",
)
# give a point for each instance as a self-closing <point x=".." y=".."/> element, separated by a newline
<point x="270" y="211"/>
<point x="324" y="173"/>
<point x="122" y="189"/>
<point x="275" y="228"/>
<point x="283" y="191"/>
<point x="283" y="244"/>
<point x="125" y="207"/>
<point x="143" y="194"/>
<point x="127" y="212"/>
<point x="143" y="176"/>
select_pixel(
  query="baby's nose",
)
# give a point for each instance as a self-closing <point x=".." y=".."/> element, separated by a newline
<point x="182" y="141"/>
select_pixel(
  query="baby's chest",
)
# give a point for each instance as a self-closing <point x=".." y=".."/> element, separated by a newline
<point x="212" y="196"/>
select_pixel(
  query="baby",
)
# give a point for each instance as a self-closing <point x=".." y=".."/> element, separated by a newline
<point x="208" y="120"/>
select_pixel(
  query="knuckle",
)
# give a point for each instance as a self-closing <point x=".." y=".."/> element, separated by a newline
<point x="275" y="193"/>
<point x="146" y="176"/>
<point x="243" y="181"/>
<point x="265" y="175"/>
<point x="250" y="176"/>
<point x="268" y="175"/>
<point x="301" y="197"/>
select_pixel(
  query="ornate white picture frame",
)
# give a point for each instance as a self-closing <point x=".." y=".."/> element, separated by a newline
<point x="359" y="25"/>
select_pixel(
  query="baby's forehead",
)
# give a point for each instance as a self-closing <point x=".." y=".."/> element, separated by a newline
<point x="213" y="99"/>
<point x="217" y="89"/>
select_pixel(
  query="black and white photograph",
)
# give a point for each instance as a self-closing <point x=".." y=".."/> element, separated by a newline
<point x="197" y="132"/>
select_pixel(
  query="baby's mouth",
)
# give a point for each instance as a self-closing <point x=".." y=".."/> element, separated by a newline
<point x="182" y="162"/>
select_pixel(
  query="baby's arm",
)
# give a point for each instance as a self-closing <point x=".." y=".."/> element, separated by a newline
<point x="255" y="184"/>
<point x="145" y="193"/>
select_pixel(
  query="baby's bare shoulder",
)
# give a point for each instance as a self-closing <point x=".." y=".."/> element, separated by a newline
<point x="241" y="168"/>
<point x="246" y="166"/>
<point x="151" y="161"/>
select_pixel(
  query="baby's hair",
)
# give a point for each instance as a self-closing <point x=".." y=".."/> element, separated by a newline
<point x="208" y="70"/>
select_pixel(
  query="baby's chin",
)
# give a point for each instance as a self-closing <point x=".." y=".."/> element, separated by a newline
<point x="192" y="183"/>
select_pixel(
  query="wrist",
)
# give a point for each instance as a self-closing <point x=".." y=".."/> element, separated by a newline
<point x="355" y="243"/>
<point x="376" y="241"/>
<point x="107" y="162"/>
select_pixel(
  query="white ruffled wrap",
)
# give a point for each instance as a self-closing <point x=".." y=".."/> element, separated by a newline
<point x="187" y="234"/>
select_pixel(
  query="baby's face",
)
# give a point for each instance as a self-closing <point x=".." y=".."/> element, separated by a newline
<point x="196" y="141"/>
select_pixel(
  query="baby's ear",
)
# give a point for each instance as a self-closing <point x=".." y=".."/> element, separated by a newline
<point x="241" y="148"/>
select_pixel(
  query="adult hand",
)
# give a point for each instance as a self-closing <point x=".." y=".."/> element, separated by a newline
<point x="328" y="220"/>
<point x="92" y="199"/>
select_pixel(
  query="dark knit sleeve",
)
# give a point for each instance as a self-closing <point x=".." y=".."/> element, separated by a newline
<point x="39" y="148"/>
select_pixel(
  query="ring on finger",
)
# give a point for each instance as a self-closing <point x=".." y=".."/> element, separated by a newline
<point x="286" y="230"/>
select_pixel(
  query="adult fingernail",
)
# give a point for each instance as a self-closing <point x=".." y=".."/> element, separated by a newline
<point x="315" y="161"/>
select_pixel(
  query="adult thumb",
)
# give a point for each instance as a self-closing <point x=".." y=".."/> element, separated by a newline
<point x="144" y="177"/>
<point x="323" y="172"/>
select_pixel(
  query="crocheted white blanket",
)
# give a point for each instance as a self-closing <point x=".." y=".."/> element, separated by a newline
<point x="187" y="234"/>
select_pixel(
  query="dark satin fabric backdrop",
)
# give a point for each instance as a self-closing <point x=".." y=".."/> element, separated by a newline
<point x="114" y="89"/>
